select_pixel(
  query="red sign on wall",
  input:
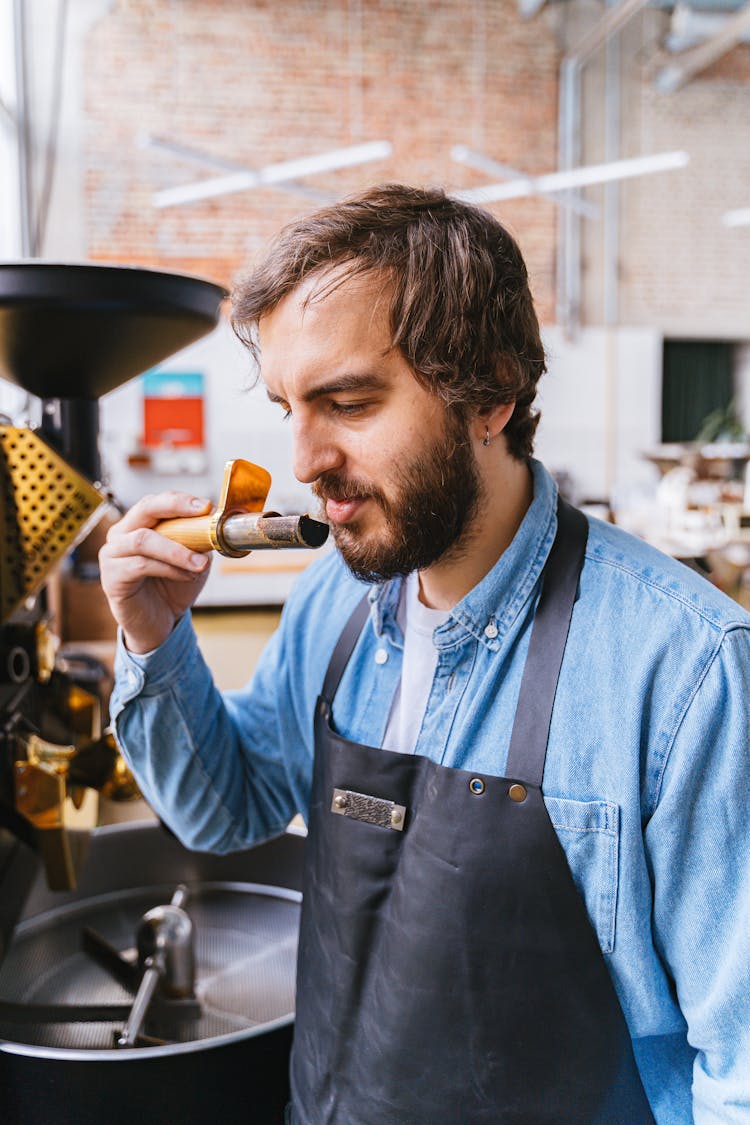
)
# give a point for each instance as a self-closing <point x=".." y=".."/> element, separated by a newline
<point x="173" y="409"/>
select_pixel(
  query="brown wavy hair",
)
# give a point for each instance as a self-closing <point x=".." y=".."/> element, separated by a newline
<point x="461" y="310"/>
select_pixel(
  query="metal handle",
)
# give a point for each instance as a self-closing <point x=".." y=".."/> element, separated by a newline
<point x="129" y="1034"/>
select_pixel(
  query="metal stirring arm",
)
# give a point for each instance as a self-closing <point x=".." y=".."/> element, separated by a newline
<point x="167" y="956"/>
<point x="154" y="971"/>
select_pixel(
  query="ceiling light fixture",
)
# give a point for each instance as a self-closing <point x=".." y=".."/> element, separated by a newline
<point x="576" y="177"/>
<point x="739" y="218"/>
<point x="463" y="155"/>
<point x="273" y="174"/>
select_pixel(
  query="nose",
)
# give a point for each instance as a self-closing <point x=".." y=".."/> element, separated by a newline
<point x="314" y="453"/>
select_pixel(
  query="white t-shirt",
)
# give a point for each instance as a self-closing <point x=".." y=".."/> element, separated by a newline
<point x="418" y="623"/>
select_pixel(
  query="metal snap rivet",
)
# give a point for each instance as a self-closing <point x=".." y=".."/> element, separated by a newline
<point x="396" y="817"/>
<point x="339" y="802"/>
<point x="517" y="793"/>
<point x="381" y="656"/>
<point x="476" y="785"/>
<point x="491" y="630"/>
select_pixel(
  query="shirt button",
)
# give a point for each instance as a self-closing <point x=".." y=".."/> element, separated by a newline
<point x="491" y="630"/>
<point x="381" y="656"/>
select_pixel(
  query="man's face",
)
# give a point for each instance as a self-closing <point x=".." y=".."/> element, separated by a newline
<point x="393" y="467"/>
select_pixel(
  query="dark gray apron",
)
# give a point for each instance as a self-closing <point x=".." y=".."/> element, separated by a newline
<point x="448" y="971"/>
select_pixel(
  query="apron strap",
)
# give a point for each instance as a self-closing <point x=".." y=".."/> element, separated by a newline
<point x="528" y="740"/>
<point x="343" y="650"/>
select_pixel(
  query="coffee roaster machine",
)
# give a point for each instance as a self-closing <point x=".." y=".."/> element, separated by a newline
<point x="137" y="979"/>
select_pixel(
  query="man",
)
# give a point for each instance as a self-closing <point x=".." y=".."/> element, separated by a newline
<point x="524" y="771"/>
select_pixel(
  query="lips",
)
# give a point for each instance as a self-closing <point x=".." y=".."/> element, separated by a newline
<point x="343" y="511"/>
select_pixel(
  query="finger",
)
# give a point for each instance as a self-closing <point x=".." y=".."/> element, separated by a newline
<point x="145" y="544"/>
<point x="150" y="509"/>
<point x="131" y="572"/>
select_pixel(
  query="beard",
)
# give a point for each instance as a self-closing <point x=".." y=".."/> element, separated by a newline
<point x="432" y="500"/>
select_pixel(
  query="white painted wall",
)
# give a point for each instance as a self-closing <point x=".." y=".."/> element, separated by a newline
<point x="601" y="408"/>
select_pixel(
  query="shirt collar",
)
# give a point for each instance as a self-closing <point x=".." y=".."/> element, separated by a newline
<point x="490" y="608"/>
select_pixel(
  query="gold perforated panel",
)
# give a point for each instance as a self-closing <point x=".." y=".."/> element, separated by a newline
<point x="46" y="507"/>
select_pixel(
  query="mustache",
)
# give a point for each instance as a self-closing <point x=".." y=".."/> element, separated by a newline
<point x="336" y="486"/>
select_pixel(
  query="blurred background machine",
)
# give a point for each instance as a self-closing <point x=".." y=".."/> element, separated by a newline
<point x="118" y="948"/>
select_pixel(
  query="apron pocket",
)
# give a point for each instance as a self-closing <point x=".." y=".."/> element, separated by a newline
<point x="589" y="832"/>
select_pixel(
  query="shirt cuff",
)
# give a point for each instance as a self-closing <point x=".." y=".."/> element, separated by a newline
<point x="150" y="672"/>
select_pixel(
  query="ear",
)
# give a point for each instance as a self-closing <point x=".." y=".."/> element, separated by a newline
<point x="492" y="421"/>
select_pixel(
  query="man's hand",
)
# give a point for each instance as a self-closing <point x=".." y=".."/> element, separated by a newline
<point x="149" y="580"/>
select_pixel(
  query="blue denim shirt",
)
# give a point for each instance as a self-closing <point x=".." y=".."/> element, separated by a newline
<point x="647" y="779"/>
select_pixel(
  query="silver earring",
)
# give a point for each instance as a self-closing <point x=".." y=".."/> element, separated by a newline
<point x="486" y="440"/>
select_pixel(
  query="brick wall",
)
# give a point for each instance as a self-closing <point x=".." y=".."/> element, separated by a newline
<point x="263" y="81"/>
<point x="274" y="79"/>
<point x="681" y="268"/>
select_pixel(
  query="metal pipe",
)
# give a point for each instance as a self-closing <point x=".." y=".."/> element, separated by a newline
<point x="269" y="531"/>
<point x="611" y="232"/>
<point x="611" y="240"/>
<point x="71" y="426"/>
<point x="568" y="248"/>
<point x="23" y="128"/>
<point x="613" y="20"/>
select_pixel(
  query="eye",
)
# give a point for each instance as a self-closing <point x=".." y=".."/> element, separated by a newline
<point x="348" y="409"/>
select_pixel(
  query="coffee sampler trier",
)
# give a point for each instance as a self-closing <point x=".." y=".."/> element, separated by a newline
<point x="238" y="524"/>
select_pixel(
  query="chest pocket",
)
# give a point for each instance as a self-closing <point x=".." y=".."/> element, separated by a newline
<point x="589" y="832"/>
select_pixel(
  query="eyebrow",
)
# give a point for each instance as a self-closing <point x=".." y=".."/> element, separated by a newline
<point x="339" y="385"/>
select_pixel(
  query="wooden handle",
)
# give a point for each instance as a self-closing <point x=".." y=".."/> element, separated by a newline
<point x="191" y="531"/>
